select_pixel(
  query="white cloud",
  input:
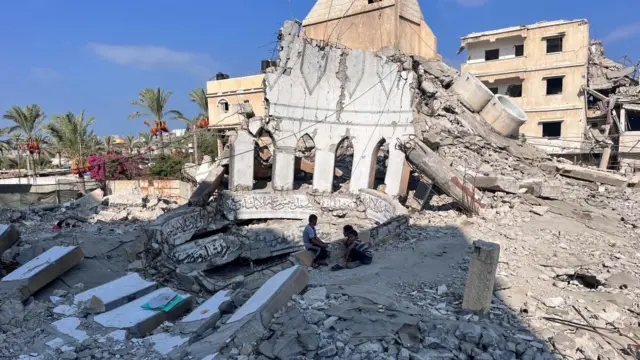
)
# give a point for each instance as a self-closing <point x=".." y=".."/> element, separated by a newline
<point x="623" y="32"/>
<point x="471" y="3"/>
<point x="45" y="74"/>
<point x="149" y="57"/>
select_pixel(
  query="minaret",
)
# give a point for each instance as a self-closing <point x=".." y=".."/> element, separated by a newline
<point x="372" y="25"/>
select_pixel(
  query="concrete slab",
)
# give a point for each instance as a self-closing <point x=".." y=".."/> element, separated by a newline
<point x="118" y="292"/>
<point x="165" y="343"/>
<point x="249" y="323"/>
<point x="138" y="321"/>
<point x="542" y="188"/>
<point x="69" y="326"/>
<point x="208" y="185"/>
<point x="44" y="268"/>
<point x="494" y="183"/>
<point x="9" y="234"/>
<point x="304" y="257"/>
<point x="586" y="174"/>
<point x="206" y="315"/>
<point x="92" y="199"/>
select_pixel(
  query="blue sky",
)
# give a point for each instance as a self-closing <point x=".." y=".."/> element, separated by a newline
<point x="73" y="55"/>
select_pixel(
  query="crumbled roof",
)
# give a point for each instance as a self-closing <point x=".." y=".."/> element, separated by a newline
<point x="521" y="27"/>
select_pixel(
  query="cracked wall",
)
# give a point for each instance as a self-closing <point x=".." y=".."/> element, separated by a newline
<point x="331" y="93"/>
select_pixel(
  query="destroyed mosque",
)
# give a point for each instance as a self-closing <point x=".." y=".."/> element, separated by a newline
<point x="500" y="202"/>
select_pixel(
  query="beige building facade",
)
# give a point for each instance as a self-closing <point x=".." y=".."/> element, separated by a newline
<point x="372" y="25"/>
<point x="543" y="68"/>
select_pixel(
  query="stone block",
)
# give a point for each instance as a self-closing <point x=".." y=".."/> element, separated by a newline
<point x="494" y="183"/>
<point x="249" y="323"/>
<point x="542" y="188"/>
<point x="69" y="327"/>
<point x="138" y="321"/>
<point x="167" y="344"/>
<point x="206" y="315"/>
<point x="304" y="257"/>
<point x="92" y="199"/>
<point x="481" y="278"/>
<point x="9" y="234"/>
<point x="43" y="269"/>
<point x="207" y="186"/>
<point x="118" y="292"/>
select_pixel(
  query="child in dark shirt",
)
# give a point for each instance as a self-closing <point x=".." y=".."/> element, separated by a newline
<point x="356" y="251"/>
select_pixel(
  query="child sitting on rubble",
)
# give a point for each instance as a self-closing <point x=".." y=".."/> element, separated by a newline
<point x="356" y="252"/>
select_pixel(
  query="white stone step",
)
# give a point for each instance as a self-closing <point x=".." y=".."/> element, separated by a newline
<point x="138" y="321"/>
<point x="118" y="292"/>
<point x="206" y="315"/>
<point x="43" y="269"/>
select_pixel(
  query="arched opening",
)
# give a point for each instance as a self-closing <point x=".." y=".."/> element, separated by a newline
<point x="343" y="165"/>
<point x="305" y="156"/>
<point x="263" y="160"/>
<point x="223" y="105"/>
<point x="378" y="167"/>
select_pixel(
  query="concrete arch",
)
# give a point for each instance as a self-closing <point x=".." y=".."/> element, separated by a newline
<point x="374" y="163"/>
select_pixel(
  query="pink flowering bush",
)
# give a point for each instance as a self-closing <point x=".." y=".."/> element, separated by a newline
<point x="115" y="167"/>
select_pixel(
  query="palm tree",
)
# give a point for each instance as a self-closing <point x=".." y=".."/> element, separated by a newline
<point x="191" y="126"/>
<point x="27" y="121"/>
<point x="107" y="143"/>
<point x="155" y="102"/>
<point x="129" y="142"/>
<point x="72" y="136"/>
<point x="42" y="141"/>
<point x="17" y="141"/>
<point x="144" y="140"/>
<point x="5" y="143"/>
<point x="199" y="96"/>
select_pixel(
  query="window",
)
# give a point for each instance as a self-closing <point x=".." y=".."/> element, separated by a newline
<point x="633" y="120"/>
<point x="552" y="129"/>
<point x="494" y="90"/>
<point x="554" y="86"/>
<point x="246" y="101"/>
<point x="519" y="50"/>
<point x="373" y="1"/>
<point x="514" y="90"/>
<point x="493" y="54"/>
<point x="554" y="45"/>
<point x="224" y="106"/>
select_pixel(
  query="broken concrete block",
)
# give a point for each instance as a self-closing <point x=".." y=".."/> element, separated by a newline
<point x="92" y="199"/>
<point x="207" y="186"/>
<point x="249" y="323"/>
<point x="118" y="292"/>
<point x="581" y="173"/>
<point x="9" y="234"/>
<point x="138" y="321"/>
<point x="478" y="290"/>
<point x="165" y="344"/>
<point x="504" y="115"/>
<point x="43" y="269"/>
<point x="635" y="181"/>
<point x="206" y="315"/>
<point x="69" y="327"/>
<point x="494" y="183"/>
<point x="304" y="257"/>
<point x="542" y="188"/>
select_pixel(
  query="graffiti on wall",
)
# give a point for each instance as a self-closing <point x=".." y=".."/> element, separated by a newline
<point x="377" y="208"/>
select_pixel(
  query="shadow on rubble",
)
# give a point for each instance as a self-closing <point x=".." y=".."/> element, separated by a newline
<point x="408" y="299"/>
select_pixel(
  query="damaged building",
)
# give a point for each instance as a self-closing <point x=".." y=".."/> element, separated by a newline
<point x="579" y="102"/>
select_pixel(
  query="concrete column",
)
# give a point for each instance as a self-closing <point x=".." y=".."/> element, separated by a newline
<point x="283" y="167"/>
<point x="481" y="278"/>
<point x="361" y="168"/>
<point x="404" y="180"/>
<point x="323" y="170"/>
<point x="393" y="177"/>
<point x="241" y="162"/>
<point x="623" y="120"/>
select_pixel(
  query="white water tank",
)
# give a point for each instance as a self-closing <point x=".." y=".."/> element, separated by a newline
<point x="504" y="115"/>
<point x="472" y="92"/>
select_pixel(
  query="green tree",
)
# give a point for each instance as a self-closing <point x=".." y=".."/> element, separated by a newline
<point x="73" y="138"/>
<point x="28" y="122"/>
<point x="154" y="101"/>
<point x="167" y="166"/>
<point x="107" y="143"/>
<point x="129" y="142"/>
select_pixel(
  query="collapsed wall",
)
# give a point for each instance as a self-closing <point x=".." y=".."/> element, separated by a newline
<point x="330" y="94"/>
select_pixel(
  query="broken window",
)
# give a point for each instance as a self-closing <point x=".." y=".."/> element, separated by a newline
<point x="373" y="1"/>
<point x="552" y="129"/>
<point x="514" y="90"/>
<point x="493" y="90"/>
<point x="519" y="50"/>
<point x="554" y="86"/>
<point x="554" y="45"/>
<point x="633" y="120"/>
<point x="493" y="54"/>
<point x="224" y="106"/>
